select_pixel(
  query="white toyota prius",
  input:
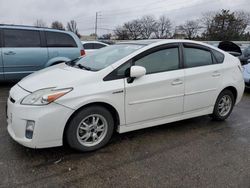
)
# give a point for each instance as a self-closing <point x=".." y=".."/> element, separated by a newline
<point x="123" y="87"/>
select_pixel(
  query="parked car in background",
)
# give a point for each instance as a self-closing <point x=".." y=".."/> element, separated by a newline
<point x="92" y="46"/>
<point x="123" y="87"/>
<point x="246" y="73"/>
<point x="25" y="49"/>
<point x="246" y="52"/>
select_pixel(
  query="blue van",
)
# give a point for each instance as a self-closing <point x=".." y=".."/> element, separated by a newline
<point x="25" y="49"/>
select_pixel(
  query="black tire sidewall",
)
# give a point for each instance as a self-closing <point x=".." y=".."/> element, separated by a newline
<point x="71" y="132"/>
<point x="216" y="115"/>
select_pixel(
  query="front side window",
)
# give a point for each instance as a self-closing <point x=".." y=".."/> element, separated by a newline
<point x="21" y="38"/>
<point x="195" y="57"/>
<point x="57" y="39"/>
<point x="160" y="61"/>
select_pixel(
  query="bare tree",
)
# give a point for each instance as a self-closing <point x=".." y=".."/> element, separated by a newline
<point x="190" y="28"/>
<point x="106" y="36"/>
<point x="72" y="26"/>
<point x="121" y="33"/>
<point x="148" y="25"/>
<point x="40" y="23"/>
<point x="57" y="25"/>
<point x="133" y="29"/>
<point x="163" y="28"/>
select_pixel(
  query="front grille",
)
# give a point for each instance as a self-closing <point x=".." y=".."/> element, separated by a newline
<point x="12" y="100"/>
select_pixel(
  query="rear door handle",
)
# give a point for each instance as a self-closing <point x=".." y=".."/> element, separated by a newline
<point x="9" y="53"/>
<point x="216" y="74"/>
<point x="177" y="82"/>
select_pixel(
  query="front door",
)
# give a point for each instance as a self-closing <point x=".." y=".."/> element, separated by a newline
<point x="160" y="92"/>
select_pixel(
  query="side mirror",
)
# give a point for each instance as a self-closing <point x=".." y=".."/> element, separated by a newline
<point x="137" y="71"/>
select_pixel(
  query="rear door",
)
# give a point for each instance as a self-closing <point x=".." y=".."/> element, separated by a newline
<point x="61" y="45"/>
<point x="22" y="53"/>
<point x="202" y="77"/>
<point x="1" y="59"/>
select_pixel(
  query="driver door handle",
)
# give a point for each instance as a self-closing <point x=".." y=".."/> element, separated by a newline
<point x="9" y="53"/>
<point x="216" y="74"/>
<point x="177" y="82"/>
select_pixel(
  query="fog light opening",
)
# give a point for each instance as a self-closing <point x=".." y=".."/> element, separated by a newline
<point x="30" y="125"/>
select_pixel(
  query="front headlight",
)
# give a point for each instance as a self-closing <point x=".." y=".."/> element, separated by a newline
<point x="44" y="96"/>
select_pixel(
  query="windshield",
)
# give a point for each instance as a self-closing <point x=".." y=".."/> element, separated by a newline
<point x="105" y="57"/>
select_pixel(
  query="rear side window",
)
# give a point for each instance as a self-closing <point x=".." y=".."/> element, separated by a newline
<point x="88" y="46"/>
<point x="195" y="57"/>
<point x="21" y="38"/>
<point x="56" y="39"/>
<point x="218" y="56"/>
<point x="160" y="61"/>
<point x="98" y="46"/>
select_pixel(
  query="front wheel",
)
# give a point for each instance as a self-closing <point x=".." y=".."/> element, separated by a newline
<point x="90" y="129"/>
<point x="223" y="106"/>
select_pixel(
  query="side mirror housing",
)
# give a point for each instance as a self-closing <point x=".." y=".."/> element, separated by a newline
<point x="137" y="71"/>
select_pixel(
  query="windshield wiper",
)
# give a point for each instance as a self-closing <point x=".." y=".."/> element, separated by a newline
<point x="72" y="62"/>
<point x="84" y="67"/>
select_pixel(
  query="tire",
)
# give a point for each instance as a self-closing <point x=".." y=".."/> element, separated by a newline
<point x="85" y="127"/>
<point x="219" y="114"/>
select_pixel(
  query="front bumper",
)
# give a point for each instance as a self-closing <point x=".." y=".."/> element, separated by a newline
<point x="50" y="121"/>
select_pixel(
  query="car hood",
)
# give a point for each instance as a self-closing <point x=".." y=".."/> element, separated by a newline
<point x="59" y="76"/>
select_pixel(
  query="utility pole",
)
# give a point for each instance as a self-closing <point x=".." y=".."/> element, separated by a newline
<point x="96" y="23"/>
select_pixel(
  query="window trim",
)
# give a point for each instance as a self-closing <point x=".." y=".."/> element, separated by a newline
<point x="3" y="37"/>
<point x="199" y="47"/>
<point x="46" y="39"/>
<point x="113" y="76"/>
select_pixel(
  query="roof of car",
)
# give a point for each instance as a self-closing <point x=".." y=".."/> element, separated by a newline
<point x="151" y="41"/>
<point x="10" y="26"/>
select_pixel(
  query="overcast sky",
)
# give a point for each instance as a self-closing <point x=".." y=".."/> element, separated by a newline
<point x="111" y="12"/>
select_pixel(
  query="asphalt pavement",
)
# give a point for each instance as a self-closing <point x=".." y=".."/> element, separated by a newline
<point x="197" y="152"/>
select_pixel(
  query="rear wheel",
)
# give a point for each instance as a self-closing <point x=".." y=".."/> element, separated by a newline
<point x="90" y="129"/>
<point x="223" y="106"/>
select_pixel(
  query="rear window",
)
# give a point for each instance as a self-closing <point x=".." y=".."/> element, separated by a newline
<point x="218" y="56"/>
<point x="56" y="39"/>
<point x="98" y="46"/>
<point x="21" y="38"/>
<point x="88" y="46"/>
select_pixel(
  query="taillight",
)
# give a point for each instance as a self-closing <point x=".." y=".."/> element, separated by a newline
<point x="82" y="52"/>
